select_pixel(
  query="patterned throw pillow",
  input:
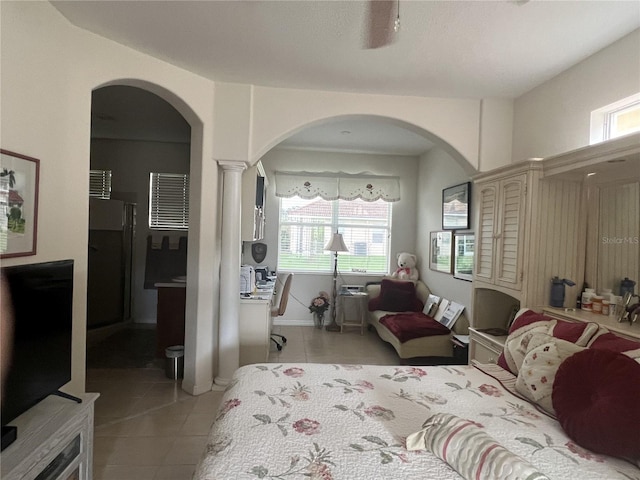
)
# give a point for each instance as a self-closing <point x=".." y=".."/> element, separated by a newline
<point x="469" y="450"/>
<point x="539" y="367"/>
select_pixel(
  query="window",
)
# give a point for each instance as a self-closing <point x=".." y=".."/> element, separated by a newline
<point x="306" y="225"/>
<point x="100" y="184"/>
<point x="168" y="201"/>
<point x="615" y="120"/>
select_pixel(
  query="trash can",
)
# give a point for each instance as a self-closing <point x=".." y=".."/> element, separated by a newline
<point x="174" y="362"/>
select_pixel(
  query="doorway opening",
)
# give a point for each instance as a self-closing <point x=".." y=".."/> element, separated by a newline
<point x="134" y="134"/>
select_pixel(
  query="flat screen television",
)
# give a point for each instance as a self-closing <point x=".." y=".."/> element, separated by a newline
<point x="42" y="300"/>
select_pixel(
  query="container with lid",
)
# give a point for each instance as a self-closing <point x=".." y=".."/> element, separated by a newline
<point x="596" y="304"/>
<point x="586" y="299"/>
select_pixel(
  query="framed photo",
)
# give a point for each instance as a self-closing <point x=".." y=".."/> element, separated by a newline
<point x="442" y="307"/>
<point x="451" y="314"/>
<point x="19" y="177"/>
<point x="431" y="305"/>
<point x="456" y="205"/>
<point x="463" y="247"/>
<point x="440" y="252"/>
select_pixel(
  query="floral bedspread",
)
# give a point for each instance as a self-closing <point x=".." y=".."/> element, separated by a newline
<point x="301" y="421"/>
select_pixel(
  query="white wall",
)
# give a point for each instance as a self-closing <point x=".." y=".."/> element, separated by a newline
<point x="437" y="170"/>
<point x="554" y="117"/>
<point x="307" y="286"/>
<point x="49" y="69"/>
<point x="130" y="163"/>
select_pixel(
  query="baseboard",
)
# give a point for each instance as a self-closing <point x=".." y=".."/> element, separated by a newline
<point x="294" y="323"/>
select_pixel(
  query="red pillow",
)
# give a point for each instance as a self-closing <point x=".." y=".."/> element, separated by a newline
<point x="396" y="297"/>
<point x="595" y="396"/>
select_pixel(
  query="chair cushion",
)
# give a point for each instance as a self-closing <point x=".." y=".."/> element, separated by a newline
<point x="396" y="296"/>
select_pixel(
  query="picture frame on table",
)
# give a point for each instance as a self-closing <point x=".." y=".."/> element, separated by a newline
<point x="19" y="183"/>
<point x="464" y="248"/>
<point x="440" y="251"/>
<point x="456" y="205"/>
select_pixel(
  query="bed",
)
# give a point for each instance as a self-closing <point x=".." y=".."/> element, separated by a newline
<point x="297" y="421"/>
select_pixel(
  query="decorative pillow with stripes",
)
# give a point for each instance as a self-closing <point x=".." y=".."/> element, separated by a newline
<point x="470" y="451"/>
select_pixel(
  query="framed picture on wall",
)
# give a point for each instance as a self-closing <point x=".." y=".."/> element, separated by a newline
<point x="456" y="205"/>
<point x="463" y="248"/>
<point x="19" y="177"/>
<point x="440" y="251"/>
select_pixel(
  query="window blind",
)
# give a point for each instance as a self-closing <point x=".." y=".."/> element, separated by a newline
<point x="100" y="184"/>
<point x="168" y="201"/>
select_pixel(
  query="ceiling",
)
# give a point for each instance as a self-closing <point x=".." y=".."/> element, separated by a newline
<point x="462" y="49"/>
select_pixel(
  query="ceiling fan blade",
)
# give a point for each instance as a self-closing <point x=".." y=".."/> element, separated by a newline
<point x="380" y="23"/>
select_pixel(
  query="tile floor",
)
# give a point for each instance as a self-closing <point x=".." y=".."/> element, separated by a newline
<point x="147" y="428"/>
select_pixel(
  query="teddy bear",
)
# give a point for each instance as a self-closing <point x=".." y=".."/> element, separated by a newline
<point x="406" y="267"/>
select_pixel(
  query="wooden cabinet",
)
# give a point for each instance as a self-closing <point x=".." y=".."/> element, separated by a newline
<point x="170" y="316"/>
<point x="500" y="230"/>
<point x="55" y="441"/>
<point x="484" y="348"/>
<point x="254" y="185"/>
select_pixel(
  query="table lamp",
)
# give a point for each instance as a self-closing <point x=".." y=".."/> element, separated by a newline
<point x="335" y="245"/>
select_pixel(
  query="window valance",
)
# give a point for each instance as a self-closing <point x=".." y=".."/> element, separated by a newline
<point x="334" y="186"/>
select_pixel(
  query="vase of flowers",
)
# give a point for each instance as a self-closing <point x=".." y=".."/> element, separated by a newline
<point x="319" y="306"/>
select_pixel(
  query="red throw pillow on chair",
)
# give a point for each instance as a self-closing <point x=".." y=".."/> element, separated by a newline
<point x="396" y="296"/>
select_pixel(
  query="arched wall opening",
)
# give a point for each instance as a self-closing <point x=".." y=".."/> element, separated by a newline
<point x="436" y="140"/>
<point x="202" y="265"/>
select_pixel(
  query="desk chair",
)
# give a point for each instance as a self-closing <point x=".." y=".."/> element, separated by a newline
<point x="278" y="311"/>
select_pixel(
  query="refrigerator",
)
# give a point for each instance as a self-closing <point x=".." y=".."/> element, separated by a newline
<point x="110" y="268"/>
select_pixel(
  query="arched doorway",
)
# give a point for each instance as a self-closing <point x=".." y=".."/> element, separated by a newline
<point x="135" y="133"/>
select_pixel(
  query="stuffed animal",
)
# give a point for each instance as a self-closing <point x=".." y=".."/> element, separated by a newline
<point x="406" y="267"/>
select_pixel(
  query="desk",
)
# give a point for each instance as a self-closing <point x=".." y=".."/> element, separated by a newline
<point x="255" y="326"/>
<point x="359" y="298"/>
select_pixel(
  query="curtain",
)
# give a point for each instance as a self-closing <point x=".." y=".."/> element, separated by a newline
<point x="334" y="186"/>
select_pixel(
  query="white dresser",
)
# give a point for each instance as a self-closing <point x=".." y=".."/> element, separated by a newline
<point x="255" y="326"/>
<point x="55" y="441"/>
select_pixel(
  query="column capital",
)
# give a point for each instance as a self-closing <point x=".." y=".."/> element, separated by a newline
<point x="232" y="165"/>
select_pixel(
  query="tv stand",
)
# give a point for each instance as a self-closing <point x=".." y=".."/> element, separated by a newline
<point x="55" y="436"/>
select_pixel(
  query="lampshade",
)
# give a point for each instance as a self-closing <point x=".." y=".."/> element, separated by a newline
<point x="336" y="244"/>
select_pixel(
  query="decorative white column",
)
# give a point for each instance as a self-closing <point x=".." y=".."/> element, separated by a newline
<point x="229" y="336"/>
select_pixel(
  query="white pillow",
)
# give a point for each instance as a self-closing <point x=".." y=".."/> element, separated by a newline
<point x="539" y="367"/>
<point x="517" y="343"/>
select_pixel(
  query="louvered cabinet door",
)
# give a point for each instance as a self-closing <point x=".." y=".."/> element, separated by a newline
<point x="487" y="201"/>
<point x="509" y="230"/>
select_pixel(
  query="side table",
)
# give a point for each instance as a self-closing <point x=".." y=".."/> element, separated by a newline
<point x="359" y="298"/>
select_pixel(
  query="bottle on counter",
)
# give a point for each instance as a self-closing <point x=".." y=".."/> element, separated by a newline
<point x="596" y="304"/>
<point x="586" y="299"/>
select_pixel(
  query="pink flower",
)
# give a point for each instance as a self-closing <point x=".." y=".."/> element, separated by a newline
<point x="230" y="404"/>
<point x="319" y="471"/>
<point x="490" y="390"/>
<point x="376" y="411"/>
<point x="581" y="452"/>
<point x="294" y="372"/>
<point x="306" y="426"/>
<point x="365" y="384"/>
<point x="300" y="396"/>
<point x="417" y="372"/>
